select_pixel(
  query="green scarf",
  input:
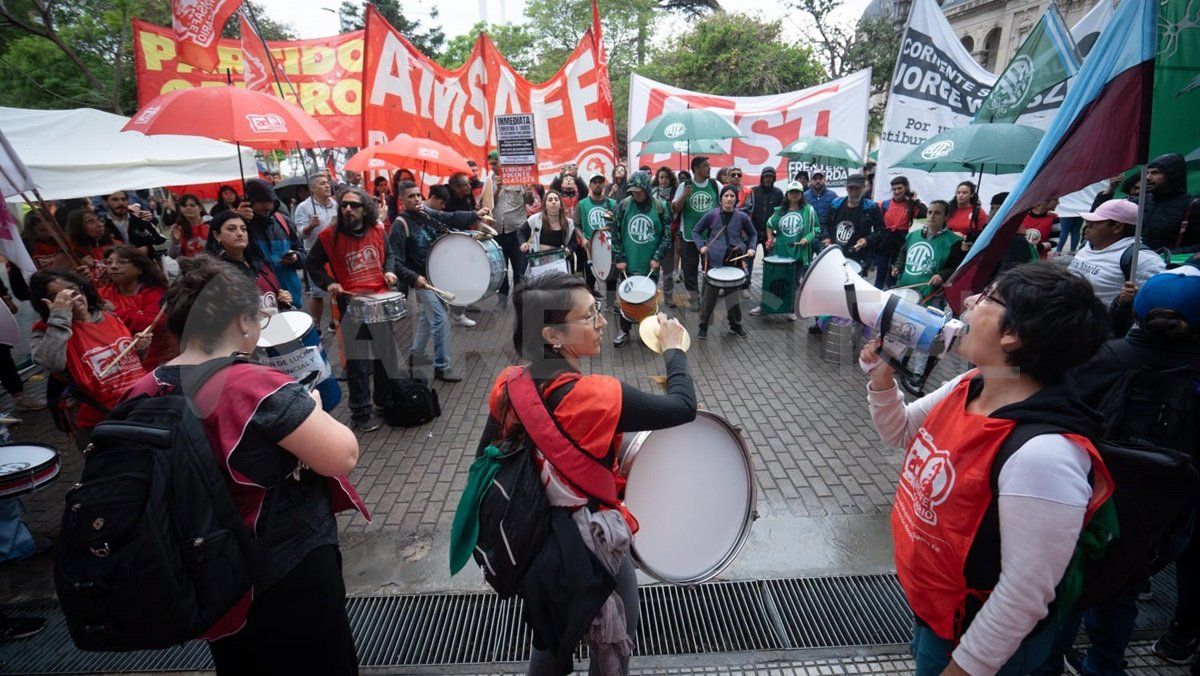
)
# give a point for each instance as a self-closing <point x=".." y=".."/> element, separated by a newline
<point x="1092" y="543"/>
<point x="464" y="532"/>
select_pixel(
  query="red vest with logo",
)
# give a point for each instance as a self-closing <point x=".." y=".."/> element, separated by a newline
<point x="92" y="347"/>
<point x="943" y="494"/>
<point x="44" y="253"/>
<point x="356" y="262"/>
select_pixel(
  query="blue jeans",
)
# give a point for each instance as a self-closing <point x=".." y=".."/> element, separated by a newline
<point x="1069" y="226"/>
<point x="432" y="323"/>
<point x="932" y="652"/>
<point x="16" y="542"/>
<point x="1109" y="628"/>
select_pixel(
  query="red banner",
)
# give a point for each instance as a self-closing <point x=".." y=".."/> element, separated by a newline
<point x="197" y="25"/>
<point x="406" y="92"/>
<point x="325" y="74"/>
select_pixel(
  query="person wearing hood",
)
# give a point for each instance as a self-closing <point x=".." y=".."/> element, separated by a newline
<point x="277" y="240"/>
<point x="643" y="236"/>
<point x="1172" y="216"/>
<point x="723" y="234"/>
<point x="983" y="537"/>
<point x="353" y="257"/>
<point x="852" y="220"/>
<point x="760" y="205"/>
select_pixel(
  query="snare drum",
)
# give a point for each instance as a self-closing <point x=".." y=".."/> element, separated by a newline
<point x="637" y="297"/>
<point x="726" y="277"/>
<point x="602" y="256"/>
<point x="25" y="468"/>
<point x="377" y="308"/>
<point x="691" y="489"/>
<point x="291" y="344"/>
<point x="471" y="269"/>
<point x="541" y="262"/>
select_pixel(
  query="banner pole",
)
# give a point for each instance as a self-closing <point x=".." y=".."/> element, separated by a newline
<point x="1137" y="230"/>
<point x="248" y="12"/>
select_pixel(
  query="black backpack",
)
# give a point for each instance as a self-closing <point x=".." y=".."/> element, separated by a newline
<point x="410" y="402"/>
<point x="153" y="550"/>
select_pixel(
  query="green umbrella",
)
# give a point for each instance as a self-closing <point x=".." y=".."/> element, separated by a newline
<point x="699" y="146"/>
<point x="873" y="155"/>
<point x="823" y="150"/>
<point x="689" y="124"/>
<point x="985" y="148"/>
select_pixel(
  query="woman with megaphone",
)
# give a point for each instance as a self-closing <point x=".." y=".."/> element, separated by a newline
<point x="988" y="508"/>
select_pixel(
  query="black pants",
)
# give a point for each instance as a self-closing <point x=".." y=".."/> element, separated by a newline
<point x="298" y="626"/>
<point x="9" y="377"/>
<point x="709" y="302"/>
<point x="689" y="259"/>
<point x="370" y="355"/>
<point x="510" y="244"/>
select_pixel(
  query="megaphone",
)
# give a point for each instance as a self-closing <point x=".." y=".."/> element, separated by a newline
<point x="833" y="286"/>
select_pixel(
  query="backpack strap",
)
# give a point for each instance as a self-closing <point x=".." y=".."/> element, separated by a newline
<point x="1183" y="225"/>
<point x="551" y="440"/>
<point x="1127" y="257"/>
<point x="1017" y="438"/>
<point x="287" y="230"/>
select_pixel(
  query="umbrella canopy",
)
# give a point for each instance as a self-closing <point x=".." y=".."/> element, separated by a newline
<point x="687" y="124"/>
<point x="365" y="160"/>
<point x="425" y="155"/>
<point x="986" y="148"/>
<point x="231" y="114"/>
<point x="823" y="150"/>
<point x="289" y="188"/>
<point x="699" y="147"/>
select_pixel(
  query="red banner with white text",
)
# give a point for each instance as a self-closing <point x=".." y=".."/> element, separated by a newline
<point x="326" y="74"/>
<point x="406" y="92"/>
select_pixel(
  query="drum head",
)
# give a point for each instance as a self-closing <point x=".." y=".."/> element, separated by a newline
<point x="285" y="327"/>
<point x="601" y="255"/>
<point x="779" y="260"/>
<point x="909" y="295"/>
<point x="727" y="273"/>
<point x="637" y="289"/>
<point x="459" y="264"/>
<point x="21" y="457"/>
<point x="691" y="488"/>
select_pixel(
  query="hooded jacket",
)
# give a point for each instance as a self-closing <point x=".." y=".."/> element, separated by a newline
<point x="762" y="202"/>
<point x="1168" y="206"/>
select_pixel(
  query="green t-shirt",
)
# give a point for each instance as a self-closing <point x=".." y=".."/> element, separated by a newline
<point x="700" y="202"/>
<point x="789" y="227"/>
<point x="642" y="230"/>
<point x="924" y="257"/>
<point x="591" y="214"/>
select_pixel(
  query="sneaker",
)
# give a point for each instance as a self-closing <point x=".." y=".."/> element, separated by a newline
<point x="447" y="375"/>
<point x="1177" y="646"/>
<point x="756" y="311"/>
<point x="463" y="320"/>
<point x="791" y="316"/>
<point x="474" y="309"/>
<point x="745" y="293"/>
<point x="739" y="330"/>
<point x="13" y="628"/>
<point x="620" y="339"/>
<point x="1146" y="593"/>
<point x="367" y="424"/>
<point x="702" y="334"/>
<point x="25" y="403"/>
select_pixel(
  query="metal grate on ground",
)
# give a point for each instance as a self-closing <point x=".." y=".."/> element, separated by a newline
<point x="850" y="611"/>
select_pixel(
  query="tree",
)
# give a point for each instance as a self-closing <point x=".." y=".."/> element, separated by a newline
<point x="428" y="40"/>
<point x="876" y="45"/>
<point x="515" y="42"/>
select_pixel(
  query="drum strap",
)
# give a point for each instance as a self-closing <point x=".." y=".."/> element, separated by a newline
<point x="573" y="462"/>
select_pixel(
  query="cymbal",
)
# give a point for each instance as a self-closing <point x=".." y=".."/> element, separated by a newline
<point x="648" y="329"/>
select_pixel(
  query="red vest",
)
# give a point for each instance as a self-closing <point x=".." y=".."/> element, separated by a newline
<point x="44" y="253"/>
<point x="92" y="347"/>
<point x="898" y="215"/>
<point x="356" y="262"/>
<point x="943" y="494"/>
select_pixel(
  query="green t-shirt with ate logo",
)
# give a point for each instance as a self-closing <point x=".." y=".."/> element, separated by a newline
<point x="591" y="214"/>
<point x="923" y="257"/>
<point x="789" y="227"/>
<point x="700" y="202"/>
<point x="642" y="231"/>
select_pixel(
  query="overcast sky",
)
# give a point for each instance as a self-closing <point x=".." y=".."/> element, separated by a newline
<point x="318" y="18"/>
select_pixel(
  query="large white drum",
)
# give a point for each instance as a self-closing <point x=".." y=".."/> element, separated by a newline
<point x="471" y="269"/>
<point x="602" y="257"/>
<point x="691" y="489"/>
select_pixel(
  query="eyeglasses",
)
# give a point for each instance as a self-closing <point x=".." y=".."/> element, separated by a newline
<point x="594" y="317"/>
<point x="352" y="205"/>
<point x="735" y="175"/>
<point x="264" y="318"/>
<point x="986" y="295"/>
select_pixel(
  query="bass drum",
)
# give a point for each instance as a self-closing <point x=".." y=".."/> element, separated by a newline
<point x="470" y="268"/>
<point x="691" y="489"/>
<point x="602" y="257"/>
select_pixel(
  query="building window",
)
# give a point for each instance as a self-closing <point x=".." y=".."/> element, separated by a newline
<point x="991" y="49"/>
<point x="968" y="44"/>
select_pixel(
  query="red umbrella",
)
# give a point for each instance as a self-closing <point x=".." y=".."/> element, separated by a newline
<point x="428" y="155"/>
<point x="232" y="114"/>
<point x="365" y="160"/>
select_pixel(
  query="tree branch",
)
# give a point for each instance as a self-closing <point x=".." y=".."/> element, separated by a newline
<point x="47" y="30"/>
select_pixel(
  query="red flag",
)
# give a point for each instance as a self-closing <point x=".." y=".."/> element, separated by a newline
<point x="256" y="63"/>
<point x="606" y="104"/>
<point x="198" y="25"/>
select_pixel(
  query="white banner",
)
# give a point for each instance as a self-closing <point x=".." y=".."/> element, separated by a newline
<point x="837" y="109"/>
<point x="937" y="85"/>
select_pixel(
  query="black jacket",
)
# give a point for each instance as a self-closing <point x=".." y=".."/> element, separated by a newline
<point x="761" y="205"/>
<point x="1168" y="206"/>
<point x="866" y="220"/>
<point x="413" y="235"/>
<point x="141" y="233"/>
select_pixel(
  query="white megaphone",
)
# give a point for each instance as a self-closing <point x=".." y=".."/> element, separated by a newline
<point x="833" y="287"/>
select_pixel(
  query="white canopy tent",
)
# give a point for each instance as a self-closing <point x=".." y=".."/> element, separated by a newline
<point x="83" y="152"/>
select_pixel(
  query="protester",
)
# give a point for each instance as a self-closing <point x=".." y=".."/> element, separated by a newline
<point x="394" y="203"/>
<point x="558" y="325"/>
<point x="227" y="200"/>
<point x="664" y="190"/>
<point x="380" y="188"/>
<point x="229" y="241"/>
<point x="592" y="213"/>
<point x="617" y="188"/>
<point x="760" y="204"/>
<point x="39" y="240"/>
<point x="276" y="238"/>
<point x="510" y="215"/>
<point x="10" y="377"/>
<point x="313" y="216"/>
<point x="1020" y="251"/>
<point x="189" y="233"/>
<point x="550" y="229"/>
<point x="535" y="194"/>
<point x="1172" y="216"/>
<point x="354" y="257"/>
<point x="411" y="238"/>
<point x="982" y="540"/>
<point x="133" y="225"/>
<point x="136" y="291"/>
<point x="721" y="236"/>
<point x="1038" y="225"/>
<point x="899" y="214"/>
<point x="819" y="196"/>
<point x="88" y="239"/>
<point x="461" y="197"/>
<point x="76" y="340"/>
<point x="853" y="221"/>
<point x="965" y="213"/>
<point x="735" y="180"/>
<point x="802" y="177"/>
<point x="641" y="240"/>
<point x="791" y="232"/>
<point x="695" y="197"/>
<point x="285" y="467"/>
<point x="1106" y="258"/>
<point x="925" y="261"/>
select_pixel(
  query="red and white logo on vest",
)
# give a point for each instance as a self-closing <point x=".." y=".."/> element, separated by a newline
<point x="365" y="259"/>
<point x="927" y="476"/>
<point x="99" y="358"/>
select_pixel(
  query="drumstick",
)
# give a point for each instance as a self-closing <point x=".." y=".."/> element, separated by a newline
<point x="908" y="286"/>
<point x="446" y="295"/>
<point x="738" y="258"/>
<point x="138" y="336"/>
